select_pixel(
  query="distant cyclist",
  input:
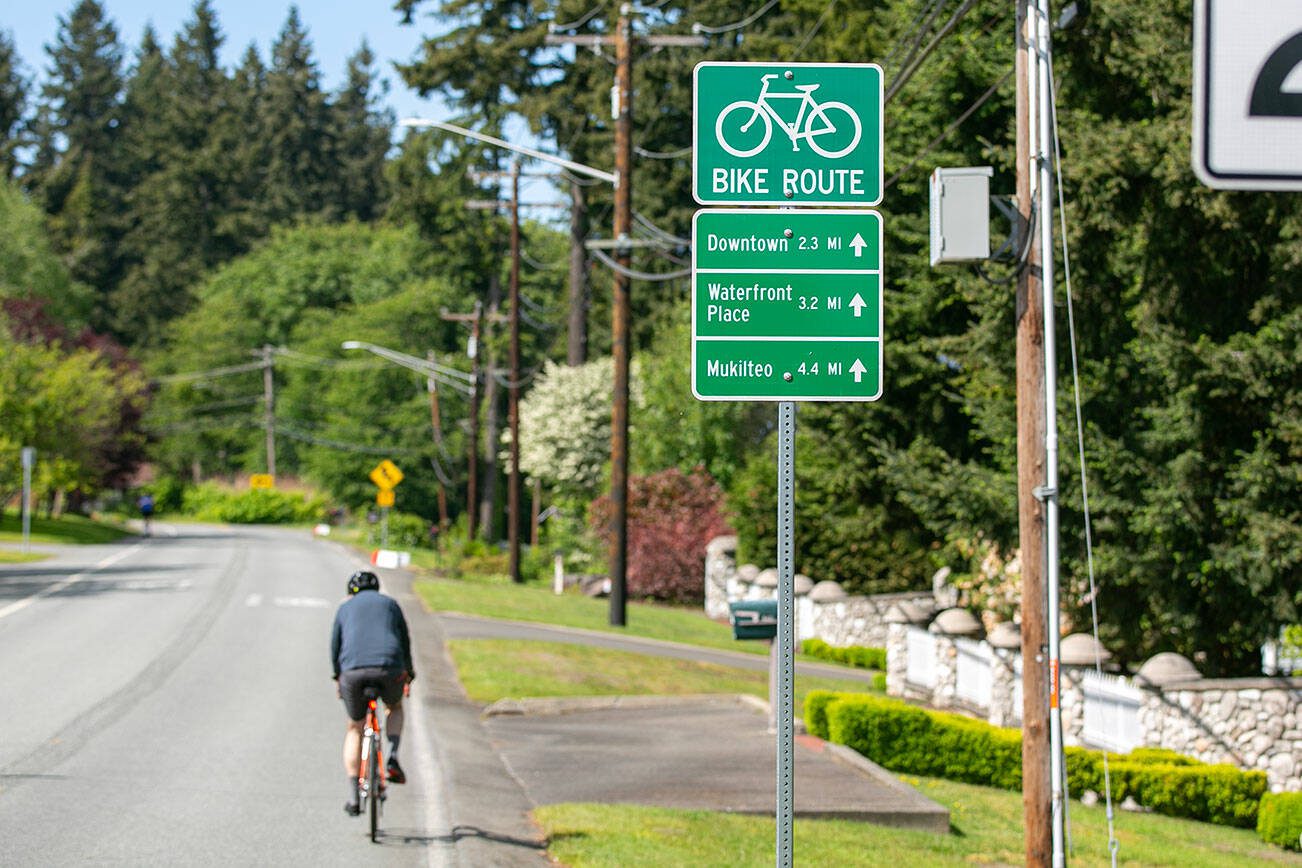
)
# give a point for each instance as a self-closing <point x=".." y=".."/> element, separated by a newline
<point x="145" y="504"/>
<point x="370" y="647"/>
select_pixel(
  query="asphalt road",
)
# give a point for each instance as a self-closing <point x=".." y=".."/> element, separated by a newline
<point x="169" y="701"/>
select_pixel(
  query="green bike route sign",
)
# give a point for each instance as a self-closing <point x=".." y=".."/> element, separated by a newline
<point x="787" y="134"/>
<point x="787" y="305"/>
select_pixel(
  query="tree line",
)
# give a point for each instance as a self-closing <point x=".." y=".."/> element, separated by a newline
<point x="1185" y="301"/>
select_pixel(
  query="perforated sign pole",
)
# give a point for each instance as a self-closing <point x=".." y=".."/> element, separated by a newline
<point x="786" y="629"/>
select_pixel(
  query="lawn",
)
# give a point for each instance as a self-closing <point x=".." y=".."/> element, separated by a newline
<point x="986" y="830"/>
<point x="493" y="669"/>
<point x="10" y="556"/>
<point x="538" y="604"/>
<point x="68" y="528"/>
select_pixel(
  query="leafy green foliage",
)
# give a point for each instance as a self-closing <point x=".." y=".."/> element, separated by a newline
<point x="213" y="502"/>
<point x="1279" y="819"/>
<point x="908" y="739"/>
<point x="854" y="655"/>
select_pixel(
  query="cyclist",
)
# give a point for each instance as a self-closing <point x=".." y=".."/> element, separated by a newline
<point x="146" y="506"/>
<point x="370" y="647"/>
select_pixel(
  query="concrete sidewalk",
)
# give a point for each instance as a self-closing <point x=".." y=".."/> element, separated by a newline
<point x="703" y="752"/>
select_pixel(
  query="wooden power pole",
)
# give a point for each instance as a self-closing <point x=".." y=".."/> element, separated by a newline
<point x="269" y="406"/>
<point x="622" y="41"/>
<point x="436" y="421"/>
<point x="1036" y="796"/>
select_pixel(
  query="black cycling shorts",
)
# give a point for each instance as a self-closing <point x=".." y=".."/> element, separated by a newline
<point x="352" y="682"/>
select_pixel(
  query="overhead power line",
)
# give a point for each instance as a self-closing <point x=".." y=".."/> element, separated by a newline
<point x="980" y="101"/>
<point x="662" y="155"/>
<point x="911" y="67"/>
<point x="210" y="374"/>
<point x="698" y="27"/>
<point x="341" y="445"/>
<point x="613" y="265"/>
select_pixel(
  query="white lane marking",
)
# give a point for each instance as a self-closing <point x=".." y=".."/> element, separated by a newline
<point x="153" y="585"/>
<point x="301" y="602"/>
<point x="253" y="600"/>
<point x="442" y="851"/>
<point x="19" y="605"/>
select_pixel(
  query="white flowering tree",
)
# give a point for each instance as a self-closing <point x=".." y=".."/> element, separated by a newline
<point x="565" y="427"/>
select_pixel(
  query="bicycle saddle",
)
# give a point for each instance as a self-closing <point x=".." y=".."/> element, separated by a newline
<point x="371" y="692"/>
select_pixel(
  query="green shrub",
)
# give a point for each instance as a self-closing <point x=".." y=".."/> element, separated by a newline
<point x="912" y="740"/>
<point x="816" y="702"/>
<point x="1279" y="819"/>
<point x="212" y="502"/>
<point x="854" y="655"/>
<point x="407" y="531"/>
<point x="879" y="682"/>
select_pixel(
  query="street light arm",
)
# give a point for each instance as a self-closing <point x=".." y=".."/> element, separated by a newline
<point x="420" y="366"/>
<point x="420" y="123"/>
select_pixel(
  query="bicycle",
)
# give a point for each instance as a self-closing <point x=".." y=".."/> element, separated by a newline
<point x="810" y="109"/>
<point x="372" y="777"/>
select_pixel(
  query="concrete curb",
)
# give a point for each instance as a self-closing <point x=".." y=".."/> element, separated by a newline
<point x="549" y="706"/>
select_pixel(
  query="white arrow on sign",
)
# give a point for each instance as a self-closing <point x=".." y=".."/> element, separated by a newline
<point x="858" y="244"/>
<point x="858" y="304"/>
<point x="858" y="370"/>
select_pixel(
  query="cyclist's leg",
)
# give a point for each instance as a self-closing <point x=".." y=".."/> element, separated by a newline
<point x="392" y="695"/>
<point x="350" y="691"/>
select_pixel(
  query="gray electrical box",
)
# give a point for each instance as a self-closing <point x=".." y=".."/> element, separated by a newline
<point x="960" y="214"/>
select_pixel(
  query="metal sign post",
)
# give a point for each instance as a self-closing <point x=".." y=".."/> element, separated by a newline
<point x="786" y="630"/>
<point x="29" y="461"/>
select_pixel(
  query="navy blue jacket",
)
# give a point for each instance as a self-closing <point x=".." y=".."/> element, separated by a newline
<point x="370" y="631"/>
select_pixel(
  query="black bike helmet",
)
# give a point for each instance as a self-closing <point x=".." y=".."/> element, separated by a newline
<point x="363" y="580"/>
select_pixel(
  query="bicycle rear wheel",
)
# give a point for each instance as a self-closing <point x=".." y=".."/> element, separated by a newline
<point x="373" y="782"/>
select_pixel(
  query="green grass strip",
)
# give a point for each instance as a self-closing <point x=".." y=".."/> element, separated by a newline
<point x="986" y="823"/>
<point x="493" y="669"/>
<point x="540" y="605"/>
<point x="67" y="529"/>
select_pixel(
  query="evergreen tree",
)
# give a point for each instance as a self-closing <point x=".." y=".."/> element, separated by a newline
<point x="177" y="207"/>
<point x="247" y="217"/>
<point x="82" y="189"/>
<point x="295" y="119"/>
<point x="13" y="106"/>
<point x="362" y="131"/>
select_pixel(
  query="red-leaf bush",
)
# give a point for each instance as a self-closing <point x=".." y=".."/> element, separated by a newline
<point x="671" y="517"/>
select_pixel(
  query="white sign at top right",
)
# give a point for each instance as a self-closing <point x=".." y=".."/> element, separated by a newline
<point x="1247" y="94"/>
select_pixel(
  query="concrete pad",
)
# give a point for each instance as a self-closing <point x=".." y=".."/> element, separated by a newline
<point x="710" y="753"/>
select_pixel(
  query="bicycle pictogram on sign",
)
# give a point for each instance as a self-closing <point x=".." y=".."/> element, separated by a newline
<point x="733" y="129"/>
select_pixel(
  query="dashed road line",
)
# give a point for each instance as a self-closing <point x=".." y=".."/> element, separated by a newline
<point x="19" y="605"/>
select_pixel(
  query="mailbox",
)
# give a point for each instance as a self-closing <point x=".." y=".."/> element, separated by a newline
<point x="754" y="619"/>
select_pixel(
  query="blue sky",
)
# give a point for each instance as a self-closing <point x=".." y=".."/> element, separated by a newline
<point x="336" y="28"/>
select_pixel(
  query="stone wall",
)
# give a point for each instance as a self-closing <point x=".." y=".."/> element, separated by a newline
<point x="859" y="620"/>
<point x="1253" y="723"/>
<point x="836" y="618"/>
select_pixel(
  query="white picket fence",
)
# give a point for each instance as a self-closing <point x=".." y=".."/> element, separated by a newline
<point x="1111" y="712"/>
<point x="975" y="675"/>
<point x="921" y="670"/>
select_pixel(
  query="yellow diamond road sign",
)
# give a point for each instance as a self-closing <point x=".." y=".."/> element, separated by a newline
<point x="386" y="475"/>
<point x="262" y="480"/>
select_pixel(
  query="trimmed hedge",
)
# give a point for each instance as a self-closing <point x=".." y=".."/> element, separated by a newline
<point x="859" y="656"/>
<point x="211" y="502"/>
<point x="1279" y="819"/>
<point x="905" y="738"/>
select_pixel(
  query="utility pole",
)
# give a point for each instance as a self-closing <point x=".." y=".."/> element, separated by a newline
<point x="513" y="413"/>
<point x="476" y="320"/>
<point x="437" y="423"/>
<point x="622" y="40"/>
<point x="619" y="326"/>
<point x="269" y="407"/>
<point x="1037" y="453"/>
